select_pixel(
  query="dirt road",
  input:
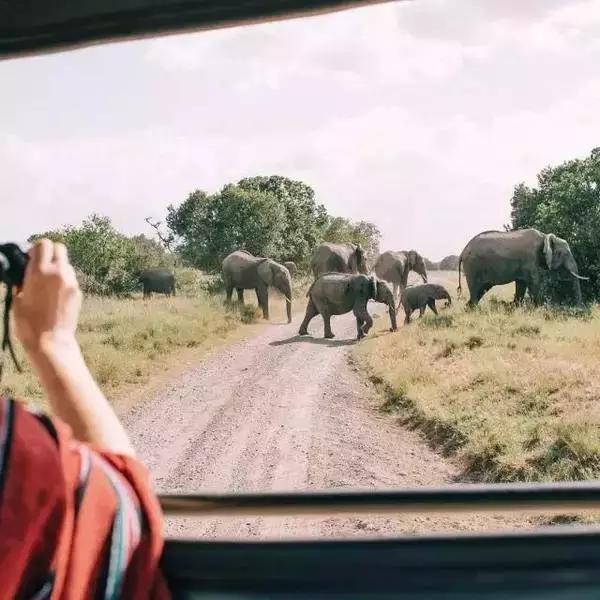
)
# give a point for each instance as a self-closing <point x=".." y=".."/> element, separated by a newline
<point x="281" y="412"/>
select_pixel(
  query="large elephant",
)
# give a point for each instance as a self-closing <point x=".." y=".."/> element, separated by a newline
<point x="340" y="293"/>
<point x="290" y="265"/>
<point x="499" y="257"/>
<point x="395" y="267"/>
<point x="243" y="271"/>
<point x="161" y="281"/>
<point x="338" y="258"/>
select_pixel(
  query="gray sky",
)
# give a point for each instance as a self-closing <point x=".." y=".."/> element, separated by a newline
<point x="419" y="116"/>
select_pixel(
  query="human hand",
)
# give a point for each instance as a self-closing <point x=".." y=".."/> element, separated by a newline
<point x="46" y="307"/>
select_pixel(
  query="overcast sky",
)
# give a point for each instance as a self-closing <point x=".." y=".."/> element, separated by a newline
<point x="419" y="116"/>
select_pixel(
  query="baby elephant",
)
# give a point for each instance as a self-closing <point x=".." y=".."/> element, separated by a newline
<point x="422" y="296"/>
<point x="339" y="293"/>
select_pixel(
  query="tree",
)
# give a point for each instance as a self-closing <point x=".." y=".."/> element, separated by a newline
<point x="271" y="216"/>
<point x="341" y="230"/>
<point x="566" y="202"/>
<point x="210" y="227"/>
<point x="449" y="263"/>
<point x="523" y="206"/>
<point x="166" y="240"/>
<point x="304" y="219"/>
<point x="430" y="265"/>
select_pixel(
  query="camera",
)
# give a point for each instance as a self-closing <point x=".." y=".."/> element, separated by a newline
<point x="13" y="262"/>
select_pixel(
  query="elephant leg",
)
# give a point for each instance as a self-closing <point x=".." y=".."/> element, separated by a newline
<point x="535" y="291"/>
<point x="240" y="294"/>
<point x="422" y="310"/>
<point x="431" y="304"/>
<point x="364" y="321"/>
<point x="407" y="313"/>
<point x="311" y="313"/>
<point x="262" y="293"/>
<point x="327" y="325"/>
<point x="228" y="293"/>
<point x="520" y="289"/>
<point x="476" y="291"/>
<point x="477" y="294"/>
<point x="359" y="328"/>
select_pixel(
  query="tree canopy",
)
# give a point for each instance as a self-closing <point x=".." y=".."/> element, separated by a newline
<point x="210" y="227"/>
<point x="449" y="263"/>
<point x="566" y="202"/>
<point x="106" y="261"/>
<point x="266" y="215"/>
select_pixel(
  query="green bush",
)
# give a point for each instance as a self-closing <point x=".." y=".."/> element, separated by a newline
<point x="106" y="261"/>
<point x="566" y="202"/>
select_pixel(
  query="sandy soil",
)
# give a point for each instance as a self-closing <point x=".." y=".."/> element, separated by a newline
<point x="283" y="412"/>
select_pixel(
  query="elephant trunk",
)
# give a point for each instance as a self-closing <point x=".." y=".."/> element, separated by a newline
<point x="286" y="290"/>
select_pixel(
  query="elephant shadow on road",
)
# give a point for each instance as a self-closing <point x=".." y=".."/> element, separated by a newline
<point x="312" y="340"/>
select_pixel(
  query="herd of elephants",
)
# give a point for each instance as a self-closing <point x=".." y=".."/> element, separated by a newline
<point x="342" y="282"/>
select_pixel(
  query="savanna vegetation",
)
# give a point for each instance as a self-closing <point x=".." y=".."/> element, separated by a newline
<point x="511" y="392"/>
<point x="128" y="342"/>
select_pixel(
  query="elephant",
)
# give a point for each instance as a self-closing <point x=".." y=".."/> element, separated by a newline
<point x="339" y="293"/>
<point x="161" y="281"/>
<point x="422" y="296"/>
<point x="499" y="257"/>
<point x="395" y="266"/>
<point x="243" y="271"/>
<point x="338" y="258"/>
<point x="290" y="265"/>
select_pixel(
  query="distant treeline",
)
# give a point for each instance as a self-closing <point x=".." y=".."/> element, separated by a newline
<point x="267" y="216"/>
<point x="449" y="263"/>
<point x="279" y="217"/>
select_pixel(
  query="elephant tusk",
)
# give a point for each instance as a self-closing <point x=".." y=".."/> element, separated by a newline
<point x="579" y="276"/>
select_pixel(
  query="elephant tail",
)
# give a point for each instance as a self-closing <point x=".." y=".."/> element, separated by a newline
<point x="459" y="288"/>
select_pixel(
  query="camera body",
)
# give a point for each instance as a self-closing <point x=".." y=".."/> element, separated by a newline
<point x="12" y="264"/>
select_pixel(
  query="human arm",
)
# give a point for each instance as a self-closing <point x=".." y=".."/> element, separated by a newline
<point x="46" y="310"/>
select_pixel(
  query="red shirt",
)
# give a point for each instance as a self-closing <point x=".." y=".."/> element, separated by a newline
<point x="75" y="522"/>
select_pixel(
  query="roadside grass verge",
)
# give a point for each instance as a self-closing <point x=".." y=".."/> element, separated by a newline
<point x="129" y="343"/>
<point x="513" y="392"/>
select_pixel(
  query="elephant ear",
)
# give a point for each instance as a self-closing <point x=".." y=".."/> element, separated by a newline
<point x="548" y="245"/>
<point x="265" y="271"/>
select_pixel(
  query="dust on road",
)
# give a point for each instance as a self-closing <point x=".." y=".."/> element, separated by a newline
<point x="281" y="412"/>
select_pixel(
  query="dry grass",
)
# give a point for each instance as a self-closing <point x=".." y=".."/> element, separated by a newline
<point x="515" y="393"/>
<point x="130" y="343"/>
